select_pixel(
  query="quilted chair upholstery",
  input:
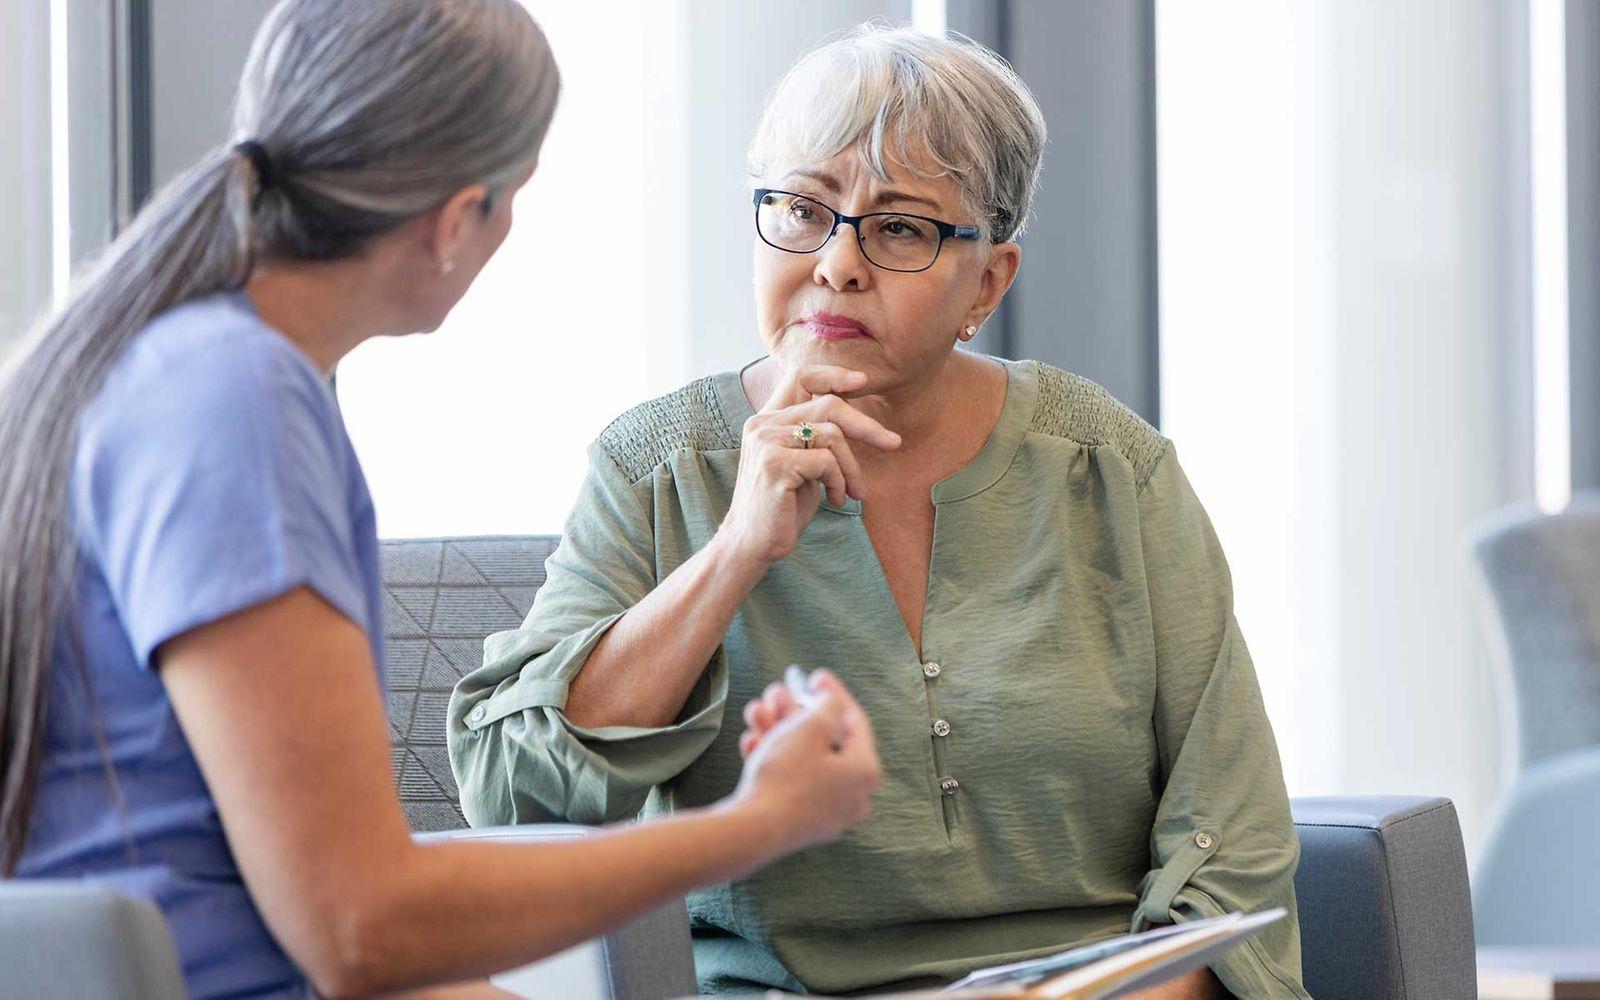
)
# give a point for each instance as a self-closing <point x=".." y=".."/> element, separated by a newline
<point x="441" y="598"/>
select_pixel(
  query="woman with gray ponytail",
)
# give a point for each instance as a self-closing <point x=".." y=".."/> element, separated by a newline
<point x="190" y="637"/>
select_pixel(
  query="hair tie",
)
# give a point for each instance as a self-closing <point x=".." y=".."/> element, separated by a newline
<point x="257" y="155"/>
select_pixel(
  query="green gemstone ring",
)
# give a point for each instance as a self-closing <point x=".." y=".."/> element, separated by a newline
<point x="806" y="435"/>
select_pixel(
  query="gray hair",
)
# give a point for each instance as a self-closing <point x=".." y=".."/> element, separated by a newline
<point x="371" y="112"/>
<point x="935" y="106"/>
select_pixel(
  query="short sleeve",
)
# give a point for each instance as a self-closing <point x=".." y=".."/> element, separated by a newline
<point x="517" y="757"/>
<point x="213" y="479"/>
<point x="1223" y="840"/>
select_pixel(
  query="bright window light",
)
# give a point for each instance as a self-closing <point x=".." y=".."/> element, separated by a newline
<point x="930" y="17"/>
<point x="482" y="427"/>
<point x="1547" y="36"/>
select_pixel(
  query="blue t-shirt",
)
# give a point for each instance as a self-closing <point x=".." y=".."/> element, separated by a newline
<point x="213" y="473"/>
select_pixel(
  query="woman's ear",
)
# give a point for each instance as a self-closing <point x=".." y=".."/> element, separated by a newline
<point x="450" y="224"/>
<point x="998" y="274"/>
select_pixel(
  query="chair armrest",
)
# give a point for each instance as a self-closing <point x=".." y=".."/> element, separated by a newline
<point x="649" y="958"/>
<point x="71" y="939"/>
<point x="1385" y="909"/>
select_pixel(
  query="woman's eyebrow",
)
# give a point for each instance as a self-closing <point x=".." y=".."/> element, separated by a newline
<point x="825" y="179"/>
<point x="890" y="196"/>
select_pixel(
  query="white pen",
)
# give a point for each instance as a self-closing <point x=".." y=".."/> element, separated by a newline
<point x="799" y="685"/>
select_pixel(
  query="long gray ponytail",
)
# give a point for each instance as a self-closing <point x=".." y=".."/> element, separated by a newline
<point x="370" y="112"/>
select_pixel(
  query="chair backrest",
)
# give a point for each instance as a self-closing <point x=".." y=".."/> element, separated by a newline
<point x="442" y="597"/>
<point x="1536" y="883"/>
<point x="1385" y="909"/>
<point x="1544" y="574"/>
<point x="71" y="939"/>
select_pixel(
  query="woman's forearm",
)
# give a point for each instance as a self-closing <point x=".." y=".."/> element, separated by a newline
<point x="642" y="671"/>
<point x="436" y="919"/>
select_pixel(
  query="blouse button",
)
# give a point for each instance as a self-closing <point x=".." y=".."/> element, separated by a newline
<point x="931" y="669"/>
<point x="478" y="713"/>
<point x="949" y="786"/>
<point x="1203" y="841"/>
<point x="941" y="728"/>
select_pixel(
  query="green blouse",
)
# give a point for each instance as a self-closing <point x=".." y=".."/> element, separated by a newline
<point x="1081" y="749"/>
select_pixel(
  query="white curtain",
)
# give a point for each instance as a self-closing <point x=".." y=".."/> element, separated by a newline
<point x="1342" y="199"/>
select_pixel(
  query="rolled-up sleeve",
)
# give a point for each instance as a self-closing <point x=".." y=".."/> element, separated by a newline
<point x="1223" y="839"/>
<point x="517" y="758"/>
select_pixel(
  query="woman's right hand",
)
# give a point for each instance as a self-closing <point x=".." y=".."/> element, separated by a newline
<point x="780" y="482"/>
<point x="813" y="773"/>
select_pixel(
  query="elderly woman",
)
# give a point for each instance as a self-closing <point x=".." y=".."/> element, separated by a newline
<point x="1007" y="565"/>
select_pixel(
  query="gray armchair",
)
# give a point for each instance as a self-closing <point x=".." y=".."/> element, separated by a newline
<point x="1382" y="883"/>
<point x="1536" y="881"/>
<point x="77" y="941"/>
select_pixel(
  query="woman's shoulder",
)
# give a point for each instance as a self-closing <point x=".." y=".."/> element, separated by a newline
<point x="213" y="350"/>
<point x="695" y="417"/>
<point x="1077" y="409"/>
<point x="208" y="378"/>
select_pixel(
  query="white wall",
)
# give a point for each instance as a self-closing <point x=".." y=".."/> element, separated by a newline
<point x="1343" y="309"/>
<point x="24" y="167"/>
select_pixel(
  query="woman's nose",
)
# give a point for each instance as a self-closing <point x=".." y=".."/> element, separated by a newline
<point x="840" y="263"/>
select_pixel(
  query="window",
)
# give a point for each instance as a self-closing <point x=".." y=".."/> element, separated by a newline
<point x="25" y="172"/>
<point x="482" y="426"/>
<point x="1338" y="303"/>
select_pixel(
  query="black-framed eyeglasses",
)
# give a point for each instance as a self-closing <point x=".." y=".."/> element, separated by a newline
<point x="893" y="241"/>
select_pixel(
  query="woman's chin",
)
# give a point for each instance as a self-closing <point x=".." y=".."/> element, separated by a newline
<point x="835" y="351"/>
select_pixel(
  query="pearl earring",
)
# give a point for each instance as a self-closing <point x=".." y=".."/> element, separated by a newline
<point x="447" y="265"/>
<point x="969" y="333"/>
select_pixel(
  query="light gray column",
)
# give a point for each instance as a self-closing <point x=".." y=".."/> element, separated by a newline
<point x="1583" y="236"/>
<point x="1086" y="297"/>
<point x="197" y="49"/>
<point x="1513" y="376"/>
<point x="1088" y="303"/>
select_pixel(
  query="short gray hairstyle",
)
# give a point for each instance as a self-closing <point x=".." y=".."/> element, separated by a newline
<point x="936" y="106"/>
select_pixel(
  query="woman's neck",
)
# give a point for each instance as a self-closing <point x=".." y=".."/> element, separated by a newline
<point x="325" y="309"/>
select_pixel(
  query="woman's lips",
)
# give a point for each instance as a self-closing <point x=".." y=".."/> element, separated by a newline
<point x="827" y="326"/>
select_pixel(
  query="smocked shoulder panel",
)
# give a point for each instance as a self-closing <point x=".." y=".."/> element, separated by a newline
<point x="1072" y="407"/>
<point x="649" y="434"/>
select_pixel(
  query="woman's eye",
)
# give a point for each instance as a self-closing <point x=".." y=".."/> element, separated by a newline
<point x="902" y="229"/>
<point x="801" y="212"/>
